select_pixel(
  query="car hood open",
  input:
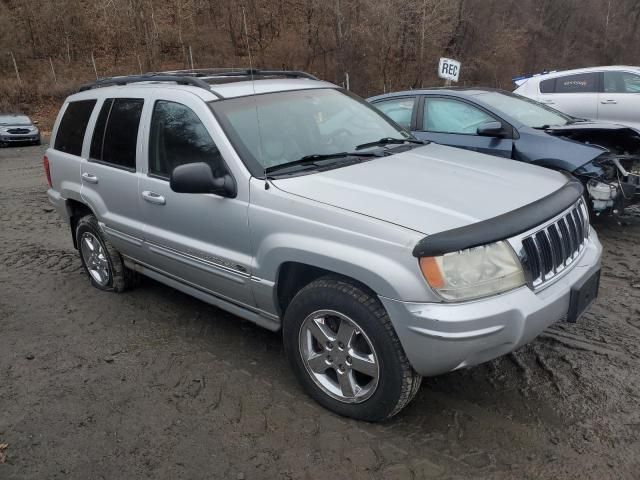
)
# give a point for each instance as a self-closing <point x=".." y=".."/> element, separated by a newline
<point x="428" y="189"/>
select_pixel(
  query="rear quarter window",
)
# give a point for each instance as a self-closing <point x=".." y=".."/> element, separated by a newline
<point x="73" y="127"/>
<point x="548" y="86"/>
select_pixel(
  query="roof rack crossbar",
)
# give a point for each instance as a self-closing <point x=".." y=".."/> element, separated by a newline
<point x="125" y="80"/>
<point x="247" y="72"/>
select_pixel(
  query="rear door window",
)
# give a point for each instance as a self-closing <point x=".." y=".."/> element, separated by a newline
<point x="400" y="110"/>
<point x="178" y="137"/>
<point x="579" y="83"/>
<point x="73" y="126"/>
<point x="115" y="135"/>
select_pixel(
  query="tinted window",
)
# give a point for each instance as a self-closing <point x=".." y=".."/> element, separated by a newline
<point x="73" y="126"/>
<point x="621" y="82"/>
<point x="548" y="86"/>
<point x="398" y="109"/>
<point x="116" y="134"/>
<point x="177" y="137"/>
<point x="580" y="83"/>
<point x="452" y="116"/>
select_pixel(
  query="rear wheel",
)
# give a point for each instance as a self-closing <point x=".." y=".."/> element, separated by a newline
<point x="100" y="259"/>
<point x="345" y="352"/>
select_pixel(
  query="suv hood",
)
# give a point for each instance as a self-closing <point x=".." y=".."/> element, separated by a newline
<point x="428" y="189"/>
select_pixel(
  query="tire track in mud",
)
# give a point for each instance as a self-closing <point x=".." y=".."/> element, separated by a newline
<point x="39" y="259"/>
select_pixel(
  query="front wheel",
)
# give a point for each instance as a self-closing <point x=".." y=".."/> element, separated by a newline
<point x="345" y="352"/>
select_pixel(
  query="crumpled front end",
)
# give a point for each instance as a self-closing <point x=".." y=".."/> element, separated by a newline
<point x="612" y="182"/>
<point x="612" y="179"/>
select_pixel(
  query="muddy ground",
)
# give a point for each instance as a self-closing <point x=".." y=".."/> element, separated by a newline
<point x="155" y="384"/>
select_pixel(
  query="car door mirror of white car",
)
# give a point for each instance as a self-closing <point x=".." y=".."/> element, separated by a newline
<point x="198" y="178"/>
<point x="491" y="129"/>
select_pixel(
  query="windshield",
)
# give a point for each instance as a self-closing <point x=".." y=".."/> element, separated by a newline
<point x="277" y="128"/>
<point x="528" y="112"/>
<point x="14" y="120"/>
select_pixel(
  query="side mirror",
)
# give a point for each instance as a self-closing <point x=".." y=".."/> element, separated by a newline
<point x="491" y="129"/>
<point x="198" y="178"/>
<point x="36" y="122"/>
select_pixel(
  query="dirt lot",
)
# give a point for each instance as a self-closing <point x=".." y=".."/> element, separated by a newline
<point x="155" y="384"/>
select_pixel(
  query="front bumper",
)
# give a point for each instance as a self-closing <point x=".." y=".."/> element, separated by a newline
<point x="441" y="337"/>
<point x="19" y="138"/>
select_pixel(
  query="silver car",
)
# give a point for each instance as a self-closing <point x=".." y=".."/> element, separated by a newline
<point x="17" y="129"/>
<point x="294" y="204"/>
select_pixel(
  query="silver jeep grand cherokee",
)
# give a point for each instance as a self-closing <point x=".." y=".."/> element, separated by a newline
<point x="294" y="204"/>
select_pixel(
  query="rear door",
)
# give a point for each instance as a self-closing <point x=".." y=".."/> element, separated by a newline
<point x="199" y="239"/>
<point x="109" y="178"/>
<point x="575" y="94"/>
<point x="452" y="121"/>
<point x="619" y="101"/>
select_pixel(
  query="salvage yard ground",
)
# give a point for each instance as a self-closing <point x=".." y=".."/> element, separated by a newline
<point x="155" y="384"/>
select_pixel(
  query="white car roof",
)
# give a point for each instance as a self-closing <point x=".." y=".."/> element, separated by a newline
<point x="559" y="73"/>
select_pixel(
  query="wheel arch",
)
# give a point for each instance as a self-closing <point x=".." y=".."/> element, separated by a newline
<point x="76" y="211"/>
<point x="293" y="276"/>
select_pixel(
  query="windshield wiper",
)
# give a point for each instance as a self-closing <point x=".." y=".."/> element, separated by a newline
<point x="312" y="159"/>
<point x="389" y="141"/>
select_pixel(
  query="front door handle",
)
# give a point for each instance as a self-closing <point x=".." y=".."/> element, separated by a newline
<point x="153" y="197"/>
<point x="89" y="177"/>
<point x="608" y="102"/>
<point x="547" y="102"/>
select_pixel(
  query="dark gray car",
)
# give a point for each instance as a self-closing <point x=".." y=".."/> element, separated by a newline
<point x="17" y="129"/>
<point x="604" y="156"/>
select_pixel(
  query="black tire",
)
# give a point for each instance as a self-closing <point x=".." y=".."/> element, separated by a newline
<point x="397" y="384"/>
<point x="121" y="278"/>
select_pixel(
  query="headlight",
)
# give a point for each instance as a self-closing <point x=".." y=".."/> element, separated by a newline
<point x="473" y="273"/>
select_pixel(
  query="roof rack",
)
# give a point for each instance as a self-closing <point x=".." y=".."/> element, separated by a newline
<point x="212" y="73"/>
<point x="147" y="77"/>
<point x="203" y="78"/>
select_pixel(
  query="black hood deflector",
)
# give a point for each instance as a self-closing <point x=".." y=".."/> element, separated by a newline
<point x="503" y="226"/>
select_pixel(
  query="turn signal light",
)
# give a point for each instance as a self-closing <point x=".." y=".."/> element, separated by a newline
<point x="431" y="272"/>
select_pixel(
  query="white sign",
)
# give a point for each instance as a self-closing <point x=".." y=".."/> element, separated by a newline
<point x="449" y="69"/>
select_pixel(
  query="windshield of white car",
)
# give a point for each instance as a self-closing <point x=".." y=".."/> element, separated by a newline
<point x="279" y="128"/>
<point x="13" y="120"/>
<point x="528" y="112"/>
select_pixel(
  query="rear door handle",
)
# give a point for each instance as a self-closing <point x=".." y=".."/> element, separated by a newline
<point x="547" y="102"/>
<point x="153" y="197"/>
<point x="89" y="177"/>
<point x="608" y="102"/>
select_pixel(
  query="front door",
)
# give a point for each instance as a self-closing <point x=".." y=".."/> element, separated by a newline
<point x="454" y="122"/>
<point x="199" y="239"/>
<point x="619" y="102"/>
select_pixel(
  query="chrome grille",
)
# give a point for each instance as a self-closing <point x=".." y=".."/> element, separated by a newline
<point x="16" y="131"/>
<point x="550" y="250"/>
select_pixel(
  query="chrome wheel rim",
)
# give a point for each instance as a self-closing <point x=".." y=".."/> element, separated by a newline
<point x="338" y="356"/>
<point x="95" y="259"/>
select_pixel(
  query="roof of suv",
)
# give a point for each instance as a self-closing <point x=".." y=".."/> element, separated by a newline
<point x="208" y="83"/>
